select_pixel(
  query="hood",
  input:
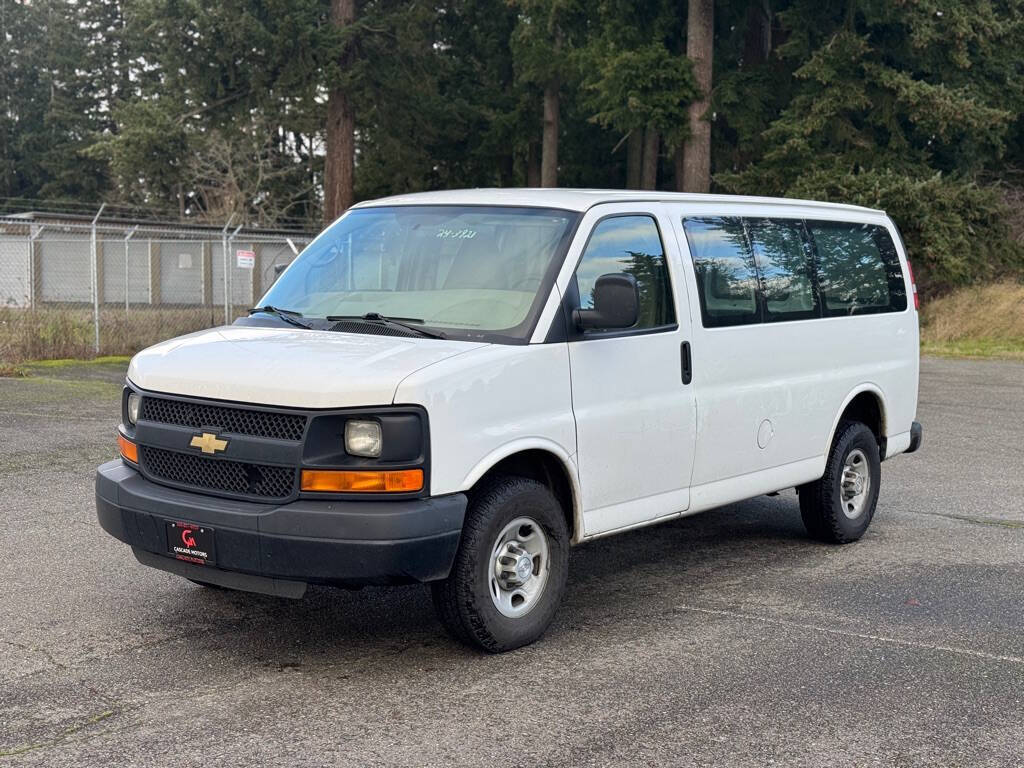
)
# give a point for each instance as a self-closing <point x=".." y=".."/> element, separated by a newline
<point x="289" y="367"/>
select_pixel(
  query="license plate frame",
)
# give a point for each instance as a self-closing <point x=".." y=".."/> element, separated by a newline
<point x="191" y="542"/>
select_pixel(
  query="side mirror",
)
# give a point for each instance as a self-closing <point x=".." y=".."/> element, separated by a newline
<point x="616" y="304"/>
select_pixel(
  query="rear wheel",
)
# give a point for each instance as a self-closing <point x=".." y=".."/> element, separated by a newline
<point x="838" y="508"/>
<point x="510" y="571"/>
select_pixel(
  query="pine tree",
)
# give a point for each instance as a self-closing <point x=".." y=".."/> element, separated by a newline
<point x="903" y="107"/>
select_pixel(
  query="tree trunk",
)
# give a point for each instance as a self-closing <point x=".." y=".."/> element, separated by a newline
<point x="506" y="170"/>
<point x="649" y="177"/>
<point x="757" y="40"/>
<point x="340" y="152"/>
<point x="634" y="158"/>
<point x="699" y="48"/>
<point x="533" y="165"/>
<point x="549" y="148"/>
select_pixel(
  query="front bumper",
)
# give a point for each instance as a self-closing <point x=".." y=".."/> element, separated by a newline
<point x="277" y="549"/>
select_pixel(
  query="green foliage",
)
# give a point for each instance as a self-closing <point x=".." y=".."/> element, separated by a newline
<point x="955" y="230"/>
<point x="630" y="89"/>
<point x="219" y="109"/>
<point x="898" y="106"/>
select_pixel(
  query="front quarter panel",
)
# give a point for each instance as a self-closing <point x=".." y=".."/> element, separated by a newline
<point x="485" y="403"/>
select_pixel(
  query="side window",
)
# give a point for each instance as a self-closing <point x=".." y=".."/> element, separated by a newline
<point x="629" y="244"/>
<point x="783" y="260"/>
<point x="858" y="268"/>
<point x="726" y="276"/>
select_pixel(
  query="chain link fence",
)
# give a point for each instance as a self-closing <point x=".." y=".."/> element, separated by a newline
<point x="75" y="287"/>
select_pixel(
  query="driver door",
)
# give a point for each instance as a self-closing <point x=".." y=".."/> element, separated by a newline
<point x="635" y="416"/>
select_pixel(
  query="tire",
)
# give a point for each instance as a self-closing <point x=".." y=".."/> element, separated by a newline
<point x="464" y="601"/>
<point x="834" y="513"/>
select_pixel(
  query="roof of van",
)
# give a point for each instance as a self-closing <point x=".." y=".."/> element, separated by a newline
<point x="582" y="199"/>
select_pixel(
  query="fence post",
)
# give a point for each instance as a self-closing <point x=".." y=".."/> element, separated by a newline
<point x="35" y="266"/>
<point x="256" y="283"/>
<point x="155" y="271"/>
<point x="231" y="244"/>
<point x="226" y="275"/>
<point x="95" y="281"/>
<point x="126" y="249"/>
<point x="206" y="255"/>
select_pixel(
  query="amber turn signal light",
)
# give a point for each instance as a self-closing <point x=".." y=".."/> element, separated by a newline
<point x="129" y="450"/>
<point x="335" y="481"/>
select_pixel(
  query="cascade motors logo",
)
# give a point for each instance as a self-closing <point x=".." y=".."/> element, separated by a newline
<point x="185" y="542"/>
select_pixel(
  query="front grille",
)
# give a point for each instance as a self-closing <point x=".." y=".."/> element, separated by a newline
<point x="240" y="421"/>
<point x="237" y="477"/>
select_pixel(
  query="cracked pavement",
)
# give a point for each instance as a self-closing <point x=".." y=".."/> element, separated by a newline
<point x="727" y="638"/>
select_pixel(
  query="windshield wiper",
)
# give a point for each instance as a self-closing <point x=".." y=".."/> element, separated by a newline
<point x="401" y="322"/>
<point x="288" y="315"/>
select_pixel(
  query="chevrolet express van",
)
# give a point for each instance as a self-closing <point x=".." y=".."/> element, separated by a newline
<point x="455" y="387"/>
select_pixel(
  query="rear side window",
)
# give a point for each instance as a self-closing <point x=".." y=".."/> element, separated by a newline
<point x="726" y="275"/>
<point x="629" y="244"/>
<point x="858" y="269"/>
<point x="784" y="262"/>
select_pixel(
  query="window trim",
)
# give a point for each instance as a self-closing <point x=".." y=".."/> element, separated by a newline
<point x="571" y="297"/>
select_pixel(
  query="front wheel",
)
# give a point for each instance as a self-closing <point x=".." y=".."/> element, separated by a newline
<point x="838" y="508"/>
<point x="510" y="571"/>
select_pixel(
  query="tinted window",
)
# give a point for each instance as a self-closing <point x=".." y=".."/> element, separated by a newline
<point x="726" y="277"/>
<point x="629" y="244"/>
<point x="858" y="269"/>
<point x="784" y="263"/>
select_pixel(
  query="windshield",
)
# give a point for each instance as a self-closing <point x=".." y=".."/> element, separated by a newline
<point x="471" y="271"/>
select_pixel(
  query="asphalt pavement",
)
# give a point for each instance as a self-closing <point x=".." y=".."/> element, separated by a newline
<point x="726" y="639"/>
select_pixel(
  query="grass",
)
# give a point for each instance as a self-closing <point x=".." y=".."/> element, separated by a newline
<point x="65" y="362"/>
<point x="978" y="322"/>
<point x="985" y="321"/>
<point x="56" y="333"/>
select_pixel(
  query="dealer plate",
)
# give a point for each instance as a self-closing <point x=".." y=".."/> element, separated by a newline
<point x="191" y="542"/>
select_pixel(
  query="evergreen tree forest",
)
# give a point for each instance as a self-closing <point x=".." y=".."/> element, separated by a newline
<point x="284" y="112"/>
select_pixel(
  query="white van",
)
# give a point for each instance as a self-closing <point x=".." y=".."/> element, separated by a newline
<point x="454" y="387"/>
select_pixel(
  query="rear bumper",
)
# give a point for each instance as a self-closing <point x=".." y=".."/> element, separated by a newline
<point x="279" y="549"/>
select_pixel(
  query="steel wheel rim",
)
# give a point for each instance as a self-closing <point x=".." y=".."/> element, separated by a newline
<point x="519" y="567"/>
<point x="855" y="484"/>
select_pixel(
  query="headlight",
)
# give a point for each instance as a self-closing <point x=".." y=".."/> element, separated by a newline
<point x="134" y="401"/>
<point x="363" y="438"/>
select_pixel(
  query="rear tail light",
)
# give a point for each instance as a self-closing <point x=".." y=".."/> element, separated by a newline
<point x="913" y="285"/>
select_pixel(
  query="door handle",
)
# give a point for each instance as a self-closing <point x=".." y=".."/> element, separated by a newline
<point x="687" y="363"/>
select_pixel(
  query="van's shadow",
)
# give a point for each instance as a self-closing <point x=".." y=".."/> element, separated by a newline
<point x="606" y="578"/>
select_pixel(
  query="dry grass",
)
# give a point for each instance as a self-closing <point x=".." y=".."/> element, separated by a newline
<point x="47" y="334"/>
<point x="981" y="321"/>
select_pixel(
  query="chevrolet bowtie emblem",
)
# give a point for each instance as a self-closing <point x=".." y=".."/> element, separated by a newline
<point x="208" y="443"/>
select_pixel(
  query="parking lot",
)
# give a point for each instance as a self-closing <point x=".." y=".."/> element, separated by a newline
<point x="728" y="638"/>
